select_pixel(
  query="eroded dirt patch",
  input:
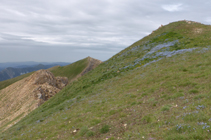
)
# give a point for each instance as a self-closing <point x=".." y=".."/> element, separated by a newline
<point x="20" y="98"/>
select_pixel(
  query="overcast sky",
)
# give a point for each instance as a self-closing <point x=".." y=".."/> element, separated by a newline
<point x="69" y="30"/>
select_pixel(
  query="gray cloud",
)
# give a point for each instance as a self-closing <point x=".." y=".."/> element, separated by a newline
<point x="69" y="30"/>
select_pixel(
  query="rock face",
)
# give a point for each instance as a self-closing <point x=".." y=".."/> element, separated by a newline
<point x="20" y="98"/>
<point x="48" y="85"/>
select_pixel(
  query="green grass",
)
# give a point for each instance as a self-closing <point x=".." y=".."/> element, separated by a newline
<point x="72" y="70"/>
<point x="83" y="131"/>
<point x="166" y="108"/>
<point x="104" y="129"/>
<point x="168" y="99"/>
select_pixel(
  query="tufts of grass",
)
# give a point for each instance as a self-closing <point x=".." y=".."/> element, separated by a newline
<point x="95" y="121"/>
<point x="148" y="118"/>
<point x="166" y="107"/>
<point x="178" y="94"/>
<point x="193" y="91"/>
<point x="84" y="130"/>
<point x="90" y="134"/>
<point x="104" y="129"/>
<point x="200" y="96"/>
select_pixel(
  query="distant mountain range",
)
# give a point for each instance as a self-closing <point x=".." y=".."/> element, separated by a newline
<point x="23" y="68"/>
<point x="28" y="64"/>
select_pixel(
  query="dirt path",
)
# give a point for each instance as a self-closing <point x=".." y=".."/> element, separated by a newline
<point x="93" y="63"/>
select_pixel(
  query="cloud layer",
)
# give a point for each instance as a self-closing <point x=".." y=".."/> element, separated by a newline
<point x="68" y="30"/>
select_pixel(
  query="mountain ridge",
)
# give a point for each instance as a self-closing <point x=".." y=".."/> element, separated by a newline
<point x="37" y="88"/>
<point x="157" y="88"/>
<point x="28" y="64"/>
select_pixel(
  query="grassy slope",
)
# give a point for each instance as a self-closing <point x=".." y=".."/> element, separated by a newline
<point x="72" y="70"/>
<point x="168" y="99"/>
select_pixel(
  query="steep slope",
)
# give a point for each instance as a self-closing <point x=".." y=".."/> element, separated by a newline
<point x="158" y="88"/>
<point x="20" y="98"/>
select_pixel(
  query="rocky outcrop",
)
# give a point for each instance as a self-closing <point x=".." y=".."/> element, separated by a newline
<point x="20" y="98"/>
<point x="48" y="85"/>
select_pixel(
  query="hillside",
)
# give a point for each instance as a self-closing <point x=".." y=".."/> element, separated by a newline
<point x="23" y="94"/>
<point x="157" y="88"/>
<point x="76" y="69"/>
<point x="20" y="98"/>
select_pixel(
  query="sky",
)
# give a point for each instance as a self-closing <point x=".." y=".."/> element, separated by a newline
<point x="70" y="30"/>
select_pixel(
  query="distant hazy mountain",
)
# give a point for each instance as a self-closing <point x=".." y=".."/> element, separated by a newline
<point x="12" y="72"/>
<point x="28" y="64"/>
